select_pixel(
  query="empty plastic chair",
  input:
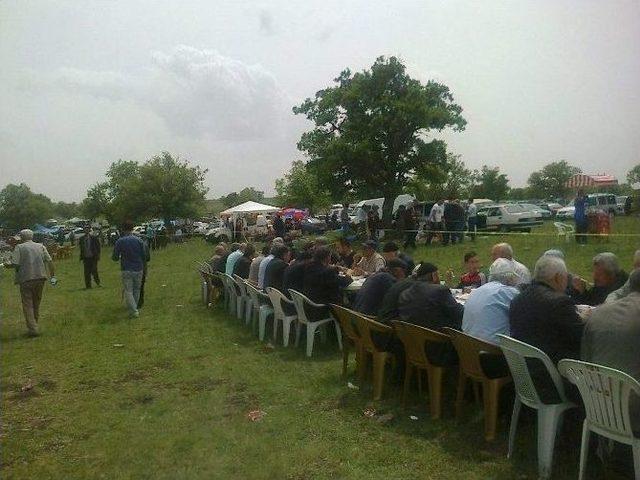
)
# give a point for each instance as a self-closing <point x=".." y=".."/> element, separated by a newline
<point x="312" y="326"/>
<point x="470" y="349"/>
<point x="261" y="306"/>
<point x="280" y="303"/>
<point x="350" y="338"/>
<point x="549" y="415"/>
<point x="416" y="341"/>
<point x="243" y="297"/>
<point x="606" y="393"/>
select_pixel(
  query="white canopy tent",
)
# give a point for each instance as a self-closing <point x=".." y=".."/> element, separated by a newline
<point x="249" y="207"/>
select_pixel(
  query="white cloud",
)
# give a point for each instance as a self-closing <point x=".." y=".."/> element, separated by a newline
<point x="198" y="93"/>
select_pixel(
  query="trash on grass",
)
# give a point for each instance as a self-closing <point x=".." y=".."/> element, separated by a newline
<point x="352" y="386"/>
<point x="27" y="386"/>
<point x="256" y="415"/>
<point x="413" y="417"/>
<point x="118" y="345"/>
<point x="369" y="412"/>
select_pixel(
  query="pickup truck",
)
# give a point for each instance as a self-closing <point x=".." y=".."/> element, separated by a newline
<point x="508" y="217"/>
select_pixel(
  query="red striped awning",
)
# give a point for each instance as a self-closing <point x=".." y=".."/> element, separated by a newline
<point x="581" y="180"/>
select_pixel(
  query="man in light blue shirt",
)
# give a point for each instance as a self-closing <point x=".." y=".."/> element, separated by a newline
<point x="237" y="250"/>
<point x="263" y="264"/>
<point x="486" y="312"/>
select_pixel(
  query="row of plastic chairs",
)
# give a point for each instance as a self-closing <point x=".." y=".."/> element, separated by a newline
<point x="605" y="392"/>
<point x="246" y="301"/>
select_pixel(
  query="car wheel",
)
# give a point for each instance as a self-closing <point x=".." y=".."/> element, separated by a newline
<point x="503" y="228"/>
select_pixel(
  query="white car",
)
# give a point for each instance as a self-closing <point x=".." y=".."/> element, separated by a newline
<point x="566" y="213"/>
<point x="538" y="210"/>
<point x="507" y="217"/>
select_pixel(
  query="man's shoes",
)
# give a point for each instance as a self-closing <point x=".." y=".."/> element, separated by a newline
<point x="135" y="314"/>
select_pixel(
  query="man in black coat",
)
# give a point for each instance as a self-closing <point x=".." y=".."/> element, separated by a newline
<point x="544" y="316"/>
<point x="321" y="283"/>
<point x="274" y="273"/>
<point x="90" y="256"/>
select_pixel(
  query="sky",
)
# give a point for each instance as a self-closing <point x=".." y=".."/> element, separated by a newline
<point x="84" y="83"/>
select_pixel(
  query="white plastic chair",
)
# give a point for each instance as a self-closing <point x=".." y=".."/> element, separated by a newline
<point x="549" y="415"/>
<point x="231" y="293"/>
<point x="564" y="230"/>
<point x="299" y="300"/>
<point x="261" y="306"/>
<point x="277" y="300"/>
<point x="243" y="298"/>
<point x="606" y="393"/>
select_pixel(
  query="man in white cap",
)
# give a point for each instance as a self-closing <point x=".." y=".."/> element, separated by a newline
<point x="31" y="261"/>
<point x="486" y="311"/>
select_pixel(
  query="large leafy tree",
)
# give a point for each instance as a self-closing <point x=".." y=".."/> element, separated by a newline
<point x="488" y="182"/>
<point x="372" y="129"/>
<point x="164" y="187"/>
<point x="21" y="208"/>
<point x="549" y="182"/>
<point x="300" y="187"/>
<point x="448" y="179"/>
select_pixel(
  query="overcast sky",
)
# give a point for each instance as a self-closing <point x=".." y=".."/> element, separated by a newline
<point x="84" y="83"/>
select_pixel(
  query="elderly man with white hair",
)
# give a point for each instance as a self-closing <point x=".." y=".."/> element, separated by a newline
<point x="626" y="288"/>
<point x="486" y="312"/>
<point x="31" y="261"/>
<point x="504" y="250"/>
<point x="607" y="278"/>
<point x="544" y="316"/>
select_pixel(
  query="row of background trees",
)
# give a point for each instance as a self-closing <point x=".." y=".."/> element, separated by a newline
<point x="375" y="134"/>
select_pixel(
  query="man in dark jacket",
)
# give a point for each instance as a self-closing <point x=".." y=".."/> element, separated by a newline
<point x="607" y="278"/>
<point x="369" y="297"/>
<point x="243" y="264"/>
<point x="321" y="283"/>
<point x="274" y="274"/>
<point x="544" y="316"/>
<point x="90" y="256"/>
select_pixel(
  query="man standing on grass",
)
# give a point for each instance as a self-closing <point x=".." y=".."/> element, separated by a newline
<point x="31" y="261"/>
<point x="90" y="255"/>
<point x="130" y="251"/>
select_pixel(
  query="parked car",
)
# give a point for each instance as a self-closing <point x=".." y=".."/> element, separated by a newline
<point x="621" y="202"/>
<point x="553" y="207"/>
<point x="538" y="210"/>
<point x="566" y="213"/>
<point x="507" y="217"/>
<point x="604" y="201"/>
<point x="313" y="225"/>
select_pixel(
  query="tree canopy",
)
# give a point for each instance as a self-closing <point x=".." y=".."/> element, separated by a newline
<point x="163" y="187"/>
<point x="245" y="195"/>
<point x="300" y="187"/>
<point x="488" y="182"/>
<point x="550" y="181"/>
<point x="21" y="208"/>
<point x="371" y="133"/>
<point x="448" y="179"/>
<point x="634" y="175"/>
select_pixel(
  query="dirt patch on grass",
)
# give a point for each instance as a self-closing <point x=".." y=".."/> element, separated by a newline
<point x="201" y="384"/>
<point x="238" y="398"/>
<point x="143" y="399"/>
<point x="140" y="374"/>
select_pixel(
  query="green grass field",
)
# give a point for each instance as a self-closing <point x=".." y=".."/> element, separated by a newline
<point x="98" y="395"/>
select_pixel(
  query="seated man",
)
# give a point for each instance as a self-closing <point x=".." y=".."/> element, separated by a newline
<point x="371" y="260"/>
<point x="544" y="316"/>
<point x="274" y="274"/>
<point x="255" y="265"/>
<point x="612" y="336"/>
<point x="504" y="250"/>
<point x="265" y="261"/>
<point x="345" y="253"/>
<point x="243" y="264"/>
<point x="473" y="277"/>
<point x="369" y="297"/>
<point x="607" y="278"/>
<point x="486" y="312"/>
<point x="625" y="289"/>
<point x="237" y="250"/>
<point x="219" y="259"/>
<point x="428" y="304"/>
<point x="391" y="251"/>
<point x="321" y="283"/>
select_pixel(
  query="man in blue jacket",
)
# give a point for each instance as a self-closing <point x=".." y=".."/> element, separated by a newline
<point x="129" y="250"/>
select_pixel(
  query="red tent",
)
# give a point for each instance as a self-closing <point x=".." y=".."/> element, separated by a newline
<point x="580" y="180"/>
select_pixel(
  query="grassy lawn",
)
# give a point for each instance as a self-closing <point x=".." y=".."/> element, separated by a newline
<point x="167" y="395"/>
